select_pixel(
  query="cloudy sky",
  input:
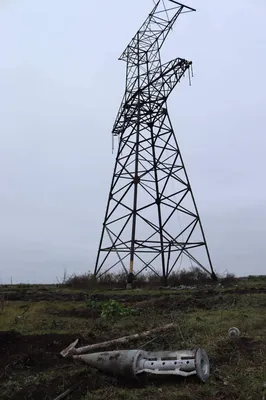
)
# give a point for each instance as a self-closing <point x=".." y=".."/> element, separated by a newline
<point x="60" y="88"/>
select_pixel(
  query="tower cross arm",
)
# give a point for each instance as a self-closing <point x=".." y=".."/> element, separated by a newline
<point x="160" y="82"/>
<point x="164" y="78"/>
<point x="155" y="29"/>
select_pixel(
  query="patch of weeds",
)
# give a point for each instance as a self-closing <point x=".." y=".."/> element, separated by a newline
<point x="9" y="388"/>
<point x="111" y="309"/>
<point x="93" y="304"/>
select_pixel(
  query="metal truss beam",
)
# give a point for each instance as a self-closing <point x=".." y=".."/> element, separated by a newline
<point x="151" y="220"/>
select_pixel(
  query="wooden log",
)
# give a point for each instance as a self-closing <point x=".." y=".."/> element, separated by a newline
<point x="64" y="395"/>
<point x="71" y="349"/>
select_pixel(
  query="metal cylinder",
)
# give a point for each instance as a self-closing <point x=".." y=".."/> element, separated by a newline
<point x="131" y="363"/>
<point x="184" y="363"/>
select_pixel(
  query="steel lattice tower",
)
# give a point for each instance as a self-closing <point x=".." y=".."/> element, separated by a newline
<point x="151" y="220"/>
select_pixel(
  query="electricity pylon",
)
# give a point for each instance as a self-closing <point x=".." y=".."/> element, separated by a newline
<point x="151" y="220"/>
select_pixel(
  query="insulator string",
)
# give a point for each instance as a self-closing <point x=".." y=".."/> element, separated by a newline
<point x="189" y="76"/>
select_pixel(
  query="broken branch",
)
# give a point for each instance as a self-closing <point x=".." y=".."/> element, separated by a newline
<point x="71" y="349"/>
<point x="68" y="391"/>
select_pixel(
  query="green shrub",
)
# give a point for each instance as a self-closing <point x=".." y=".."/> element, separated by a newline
<point x="110" y="309"/>
<point x="114" y="309"/>
<point x="95" y="305"/>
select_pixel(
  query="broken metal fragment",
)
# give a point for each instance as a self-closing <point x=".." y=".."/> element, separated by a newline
<point x="233" y="332"/>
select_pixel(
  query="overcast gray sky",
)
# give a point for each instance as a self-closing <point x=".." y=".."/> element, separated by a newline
<point x="60" y="88"/>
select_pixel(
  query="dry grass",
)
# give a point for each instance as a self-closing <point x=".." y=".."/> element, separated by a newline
<point x="190" y="277"/>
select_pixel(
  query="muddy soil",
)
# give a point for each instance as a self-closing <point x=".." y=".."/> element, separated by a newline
<point x="203" y="293"/>
<point x="206" y="300"/>
<point x="49" y="295"/>
<point x="230" y="351"/>
<point x="27" y="295"/>
<point x="23" y="357"/>
<point x="32" y="352"/>
<point x="76" y="313"/>
<point x="171" y="303"/>
<point x="211" y="300"/>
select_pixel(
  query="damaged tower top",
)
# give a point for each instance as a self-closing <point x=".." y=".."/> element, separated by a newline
<point x="151" y="220"/>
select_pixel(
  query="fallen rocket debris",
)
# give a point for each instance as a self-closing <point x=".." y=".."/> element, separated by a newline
<point x="132" y="363"/>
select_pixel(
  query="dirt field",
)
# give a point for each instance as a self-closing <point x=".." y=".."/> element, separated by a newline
<point x="36" y="323"/>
